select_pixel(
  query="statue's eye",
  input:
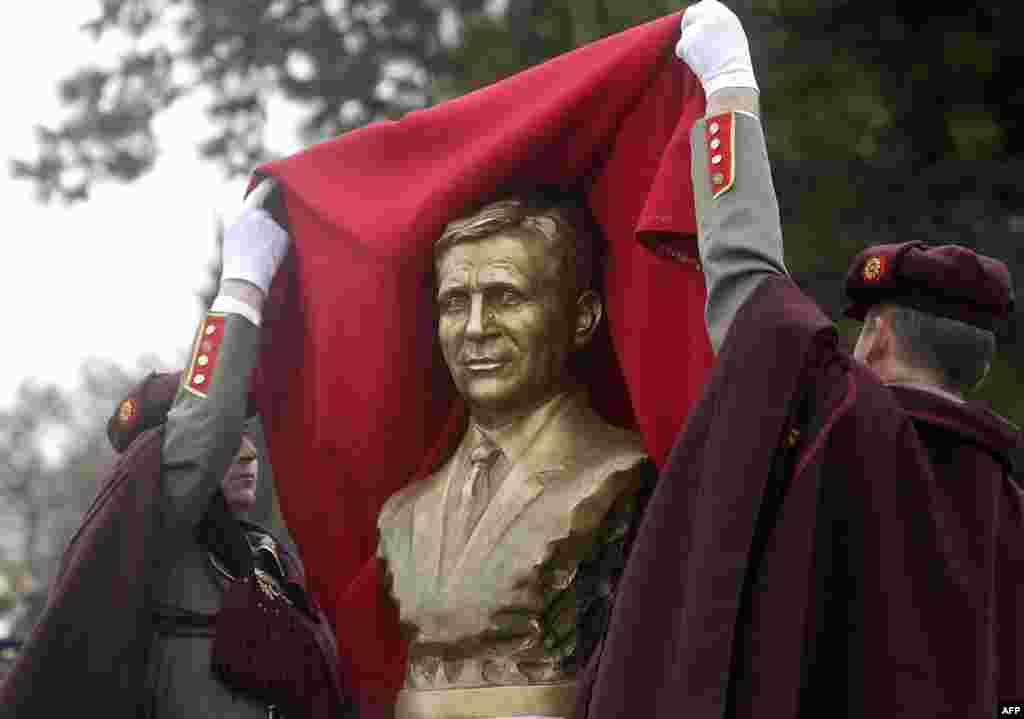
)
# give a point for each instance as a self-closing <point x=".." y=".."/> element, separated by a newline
<point x="453" y="302"/>
<point x="510" y="298"/>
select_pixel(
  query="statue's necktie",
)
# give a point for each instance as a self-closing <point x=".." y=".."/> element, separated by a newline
<point x="476" y="490"/>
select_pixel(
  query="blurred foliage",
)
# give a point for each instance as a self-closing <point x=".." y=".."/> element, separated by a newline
<point x="53" y="452"/>
<point x="346" y="62"/>
<point x="12" y="574"/>
<point x="885" y="123"/>
<point x="495" y="45"/>
<point x="889" y="125"/>
<point x="207" y="292"/>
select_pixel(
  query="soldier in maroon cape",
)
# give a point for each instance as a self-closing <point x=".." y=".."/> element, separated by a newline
<point x="833" y="534"/>
<point x="179" y="597"/>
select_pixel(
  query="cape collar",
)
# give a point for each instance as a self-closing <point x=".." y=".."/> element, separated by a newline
<point x="972" y="419"/>
<point x="928" y="388"/>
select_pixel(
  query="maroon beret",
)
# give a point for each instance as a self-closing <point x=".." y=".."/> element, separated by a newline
<point x="146" y="406"/>
<point x="948" y="280"/>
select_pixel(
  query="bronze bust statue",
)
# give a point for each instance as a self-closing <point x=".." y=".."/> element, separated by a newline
<point x="499" y="561"/>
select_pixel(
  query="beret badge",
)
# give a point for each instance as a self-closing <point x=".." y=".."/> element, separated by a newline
<point x="127" y="411"/>
<point x="949" y="281"/>
<point x="874" y="268"/>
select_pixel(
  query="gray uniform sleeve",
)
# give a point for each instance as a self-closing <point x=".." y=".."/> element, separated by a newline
<point x="204" y="429"/>
<point x="739" y="233"/>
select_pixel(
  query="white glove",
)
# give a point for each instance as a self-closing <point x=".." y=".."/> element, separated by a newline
<point x="715" y="47"/>
<point x="254" y="246"/>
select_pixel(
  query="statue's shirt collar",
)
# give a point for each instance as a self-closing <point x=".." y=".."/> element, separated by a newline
<point x="517" y="438"/>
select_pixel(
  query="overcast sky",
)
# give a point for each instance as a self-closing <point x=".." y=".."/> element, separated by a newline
<point x="115" y="277"/>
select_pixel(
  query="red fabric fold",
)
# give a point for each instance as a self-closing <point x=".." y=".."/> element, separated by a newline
<point x="354" y="392"/>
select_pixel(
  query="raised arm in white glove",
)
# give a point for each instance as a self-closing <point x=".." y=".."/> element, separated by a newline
<point x="714" y="45"/>
<point x="254" y="246"/>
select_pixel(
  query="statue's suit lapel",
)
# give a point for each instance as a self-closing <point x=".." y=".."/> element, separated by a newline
<point x="517" y="492"/>
<point x="545" y="461"/>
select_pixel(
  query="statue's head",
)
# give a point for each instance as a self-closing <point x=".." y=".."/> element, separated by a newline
<point x="515" y="300"/>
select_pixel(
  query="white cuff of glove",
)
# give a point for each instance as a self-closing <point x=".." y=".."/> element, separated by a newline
<point x="730" y="78"/>
<point x="254" y="246"/>
<point x="232" y="305"/>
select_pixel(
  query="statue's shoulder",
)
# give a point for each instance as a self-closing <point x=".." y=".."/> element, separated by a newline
<point x="601" y="447"/>
<point x="400" y="504"/>
<point x="602" y="464"/>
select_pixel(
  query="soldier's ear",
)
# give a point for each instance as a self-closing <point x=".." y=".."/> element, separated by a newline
<point x="883" y="342"/>
<point x="589" y="310"/>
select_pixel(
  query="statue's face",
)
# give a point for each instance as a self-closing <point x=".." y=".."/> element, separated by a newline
<point x="506" y="322"/>
<point x="239" y="483"/>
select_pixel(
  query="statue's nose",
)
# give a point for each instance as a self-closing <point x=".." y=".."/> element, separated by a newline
<point x="476" y="325"/>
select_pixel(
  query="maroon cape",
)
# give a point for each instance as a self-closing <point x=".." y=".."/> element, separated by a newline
<point x="353" y="389"/>
<point x="819" y="545"/>
<point x="95" y="632"/>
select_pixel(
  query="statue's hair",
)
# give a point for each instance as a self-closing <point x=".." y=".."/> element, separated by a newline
<point x="562" y="222"/>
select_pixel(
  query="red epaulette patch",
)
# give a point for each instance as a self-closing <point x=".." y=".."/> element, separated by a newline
<point x="204" y="354"/>
<point x="719" y="134"/>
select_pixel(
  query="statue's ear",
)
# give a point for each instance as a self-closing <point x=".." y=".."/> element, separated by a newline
<point x="589" y="310"/>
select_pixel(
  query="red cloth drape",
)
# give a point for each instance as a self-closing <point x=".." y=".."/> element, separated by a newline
<point x="354" y="393"/>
